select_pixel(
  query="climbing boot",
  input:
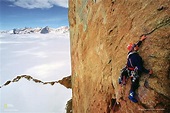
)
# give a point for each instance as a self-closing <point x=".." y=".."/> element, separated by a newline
<point x="132" y="97"/>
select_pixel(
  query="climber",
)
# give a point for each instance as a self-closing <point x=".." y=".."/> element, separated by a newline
<point x="135" y="67"/>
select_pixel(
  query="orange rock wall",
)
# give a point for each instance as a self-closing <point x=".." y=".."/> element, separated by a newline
<point x="100" y="30"/>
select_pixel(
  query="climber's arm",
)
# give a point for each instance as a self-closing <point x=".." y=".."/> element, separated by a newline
<point x="141" y="40"/>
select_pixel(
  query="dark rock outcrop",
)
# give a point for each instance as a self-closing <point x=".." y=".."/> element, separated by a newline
<point x="100" y="30"/>
<point x="66" y="81"/>
<point x="69" y="106"/>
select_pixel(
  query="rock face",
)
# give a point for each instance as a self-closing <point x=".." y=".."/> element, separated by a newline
<point x="100" y="30"/>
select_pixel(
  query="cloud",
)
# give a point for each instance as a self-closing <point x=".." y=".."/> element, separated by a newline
<point x="45" y="70"/>
<point x="40" y="54"/>
<point x="31" y="4"/>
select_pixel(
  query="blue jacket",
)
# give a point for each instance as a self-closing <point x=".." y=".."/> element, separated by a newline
<point x="135" y="60"/>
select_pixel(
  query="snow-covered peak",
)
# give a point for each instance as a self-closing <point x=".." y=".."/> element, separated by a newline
<point x="45" y="30"/>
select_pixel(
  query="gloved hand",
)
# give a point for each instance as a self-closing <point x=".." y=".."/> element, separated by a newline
<point x="143" y="38"/>
<point x="150" y="72"/>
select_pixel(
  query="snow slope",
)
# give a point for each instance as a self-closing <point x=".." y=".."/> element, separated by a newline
<point x="43" y="56"/>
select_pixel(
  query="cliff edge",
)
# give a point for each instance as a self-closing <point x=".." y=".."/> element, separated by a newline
<point x="100" y="30"/>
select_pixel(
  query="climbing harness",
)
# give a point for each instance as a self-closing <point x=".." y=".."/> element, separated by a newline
<point x="124" y="75"/>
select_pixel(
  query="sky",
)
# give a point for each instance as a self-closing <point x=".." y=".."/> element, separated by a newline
<point x="33" y="13"/>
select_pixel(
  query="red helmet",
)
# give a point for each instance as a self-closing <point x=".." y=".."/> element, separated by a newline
<point x="130" y="46"/>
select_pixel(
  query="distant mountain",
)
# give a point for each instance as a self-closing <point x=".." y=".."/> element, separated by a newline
<point x="45" y="30"/>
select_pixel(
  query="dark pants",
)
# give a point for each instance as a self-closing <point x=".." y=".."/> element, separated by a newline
<point x="135" y="83"/>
